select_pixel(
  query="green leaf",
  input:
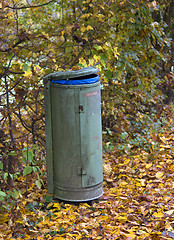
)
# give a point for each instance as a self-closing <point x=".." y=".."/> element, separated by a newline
<point x="38" y="168"/>
<point x="1" y="165"/>
<point x="97" y="47"/>
<point x="38" y="184"/>
<point x="2" y="194"/>
<point x="124" y="135"/>
<point x="25" y="67"/>
<point x="108" y="74"/>
<point x="35" y="169"/>
<point x="80" y="2"/>
<point x="13" y="153"/>
<point x="27" y="170"/>
<point x="104" y="57"/>
<point x="5" y="175"/>
<point x="11" y="175"/>
<point x="24" y="160"/>
<point x="2" y="198"/>
<point x="48" y="198"/>
<point x="109" y="131"/>
<point x="30" y="156"/>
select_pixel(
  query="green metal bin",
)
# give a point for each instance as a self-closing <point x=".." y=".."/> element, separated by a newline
<point x="73" y="135"/>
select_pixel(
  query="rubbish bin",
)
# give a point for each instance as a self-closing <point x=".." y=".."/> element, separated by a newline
<point x="73" y="134"/>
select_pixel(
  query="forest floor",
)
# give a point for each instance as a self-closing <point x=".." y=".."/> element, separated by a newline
<point x="138" y="200"/>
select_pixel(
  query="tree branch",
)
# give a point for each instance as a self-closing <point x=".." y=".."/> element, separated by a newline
<point x="30" y="6"/>
<point x="13" y="46"/>
<point x="9" y="115"/>
<point x="9" y="90"/>
<point x="6" y="69"/>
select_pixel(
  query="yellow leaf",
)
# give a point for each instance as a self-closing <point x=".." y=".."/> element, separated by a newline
<point x="158" y="214"/>
<point x="45" y="34"/>
<point x="123" y="183"/>
<point x="62" y="39"/>
<point x="126" y="161"/>
<point x="83" y="62"/>
<point x="58" y="238"/>
<point x="10" y="37"/>
<point x="19" y="221"/>
<point x="37" y="68"/>
<point x="57" y="206"/>
<point x="168" y="227"/>
<point x="43" y="223"/>
<point x="0" y="5"/>
<point x="28" y="73"/>
<point x="158" y="166"/>
<point x="97" y="58"/>
<point x="4" y="218"/>
<point x="91" y="62"/>
<point x="130" y="236"/>
<point x="121" y="219"/>
<point x="116" y="231"/>
<point x="83" y="29"/>
<point x="34" y="55"/>
<point x="86" y="15"/>
<point x="148" y="165"/>
<point x="116" y="53"/>
<point x="100" y="16"/>
<point x="159" y="174"/>
<point x="103" y="218"/>
<point x="31" y="187"/>
<point x="89" y="27"/>
<point x="50" y="205"/>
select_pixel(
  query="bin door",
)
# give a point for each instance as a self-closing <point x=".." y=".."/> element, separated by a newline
<point x="91" y="136"/>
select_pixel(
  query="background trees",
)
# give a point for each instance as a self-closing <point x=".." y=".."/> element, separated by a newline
<point x="130" y="41"/>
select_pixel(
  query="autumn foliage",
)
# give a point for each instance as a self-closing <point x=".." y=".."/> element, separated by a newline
<point x="131" y="43"/>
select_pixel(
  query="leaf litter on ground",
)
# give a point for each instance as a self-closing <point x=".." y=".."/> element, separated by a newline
<point x="138" y="202"/>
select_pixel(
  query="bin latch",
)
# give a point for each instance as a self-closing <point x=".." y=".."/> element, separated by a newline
<point x="81" y="109"/>
<point x="82" y="171"/>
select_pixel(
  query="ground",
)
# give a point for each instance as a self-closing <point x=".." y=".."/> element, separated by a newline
<point x="138" y="200"/>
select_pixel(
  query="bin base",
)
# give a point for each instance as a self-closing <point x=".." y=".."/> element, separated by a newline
<point x="80" y="194"/>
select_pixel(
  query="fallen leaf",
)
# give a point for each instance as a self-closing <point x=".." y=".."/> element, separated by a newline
<point x="170" y="212"/>
<point x="148" y="165"/>
<point x="159" y="174"/>
<point x="158" y="214"/>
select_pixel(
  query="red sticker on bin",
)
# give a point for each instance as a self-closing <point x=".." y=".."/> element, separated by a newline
<point x="89" y="94"/>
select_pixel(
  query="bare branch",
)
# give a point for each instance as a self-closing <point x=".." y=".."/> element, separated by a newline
<point x="30" y="6"/>
<point x="6" y="69"/>
<point x="13" y="46"/>
<point x="9" y="90"/>
<point x="9" y="115"/>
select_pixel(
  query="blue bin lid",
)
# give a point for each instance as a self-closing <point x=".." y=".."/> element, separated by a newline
<point x="83" y="76"/>
<point x="93" y="78"/>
